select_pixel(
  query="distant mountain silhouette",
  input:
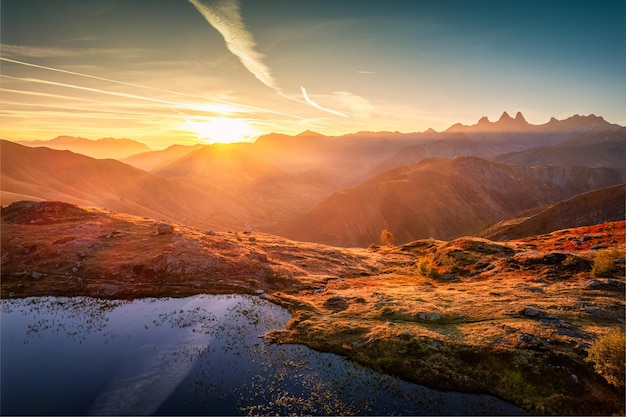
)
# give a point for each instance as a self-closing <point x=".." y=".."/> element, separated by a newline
<point x="151" y="159"/>
<point x="604" y="149"/>
<point x="351" y="186"/>
<point x="100" y="148"/>
<point x="441" y="198"/>
<point x="339" y="161"/>
<point x="514" y="134"/>
<point x="449" y="146"/>
<point x="586" y="209"/>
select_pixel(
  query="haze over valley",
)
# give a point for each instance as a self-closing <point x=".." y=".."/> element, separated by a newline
<point x="336" y="190"/>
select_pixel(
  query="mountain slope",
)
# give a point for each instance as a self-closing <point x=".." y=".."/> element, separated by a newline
<point x="449" y="146"/>
<point x="338" y="161"/>
<point x="100" y="148"/>
<point x="47" y="174"/>
<point x="151" y="159"/>
<point x="594" y="207"/>
<point x="441" y="198"/>
<point x="268" y="194"/>
<point x="212" y="188"/>
<point x="604" y="149"/>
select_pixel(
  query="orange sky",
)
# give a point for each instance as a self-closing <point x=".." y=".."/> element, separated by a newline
<point x="164" y="72"/>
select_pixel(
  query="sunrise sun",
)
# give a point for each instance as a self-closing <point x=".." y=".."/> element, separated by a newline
<point x="222" y="130"/>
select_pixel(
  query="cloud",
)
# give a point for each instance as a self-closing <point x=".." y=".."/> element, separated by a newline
<point x="22" y="51"/>
<point x="355" y="104"/>
<point x="134" y="85"/>
<point x="317" y="106"/>
<point x="225" y="17"/>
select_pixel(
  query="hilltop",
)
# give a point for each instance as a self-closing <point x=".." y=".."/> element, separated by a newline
<point x="514" y="319"/>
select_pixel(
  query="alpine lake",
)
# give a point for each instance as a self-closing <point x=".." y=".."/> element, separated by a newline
<point x="200" y="355"/>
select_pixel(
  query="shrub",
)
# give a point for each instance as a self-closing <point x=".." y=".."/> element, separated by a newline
<point x="609" y="357"/>
<point x="426" y="268"/>
<point x="603" y="264"/>
<point x="386" y="238"/>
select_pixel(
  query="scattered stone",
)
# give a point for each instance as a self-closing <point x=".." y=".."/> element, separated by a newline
<point x="164" y="229"/>
<point x="597" y="312"/>
<point x="36" y="275"/>
<point x="531" y="312"/>
<point x="434" y="316"/>
<point x="336" y="303"/>
<point x="607" y="285"/>
<point x="405" y="335"/>
<point x="527" y="341"/>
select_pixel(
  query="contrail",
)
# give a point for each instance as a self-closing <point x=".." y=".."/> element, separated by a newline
<point x="79" y="74"/>
<point x="317" y="106"/>
<point x="225" y="17"/>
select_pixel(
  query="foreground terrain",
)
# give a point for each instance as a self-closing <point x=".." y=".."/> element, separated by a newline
<point x="514" y="319"/>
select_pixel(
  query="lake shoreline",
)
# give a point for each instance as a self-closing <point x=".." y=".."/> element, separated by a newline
<point x="512" y="319"/>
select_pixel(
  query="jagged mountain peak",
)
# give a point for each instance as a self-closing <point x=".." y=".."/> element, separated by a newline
<point x="309" y="133"/>
<point x="504" y="118"/>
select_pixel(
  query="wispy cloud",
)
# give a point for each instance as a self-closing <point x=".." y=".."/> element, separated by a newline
<point x="355" y="104"/>
<point x="23" y="51"/>
<point x="317" y="106"/>
<point x="161" y="90"/>
<point x="225" y="17"/>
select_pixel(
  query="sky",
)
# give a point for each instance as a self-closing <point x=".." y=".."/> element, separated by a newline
<point x="188" y="71"/>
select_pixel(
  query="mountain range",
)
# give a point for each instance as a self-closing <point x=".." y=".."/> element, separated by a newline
<point x="337" y="190"/>
<point x="100" y="148"/>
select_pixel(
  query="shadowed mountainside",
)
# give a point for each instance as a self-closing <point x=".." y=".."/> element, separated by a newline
<point x="512" y="319"/>
<point x="604" y="149"/>
<point x="441" y="198"/>
<point x="594" y="207"/>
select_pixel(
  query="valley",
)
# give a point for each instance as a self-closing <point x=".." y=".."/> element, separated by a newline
<point x="490" y="283"/>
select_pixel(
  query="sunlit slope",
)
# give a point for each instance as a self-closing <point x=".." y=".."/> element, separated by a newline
<point x="151" y="159"/>
<point x="264" y="195"/>
<point x="65" y="176"/>
<point x="442" y="198"/>
<point x="594" y="207"/>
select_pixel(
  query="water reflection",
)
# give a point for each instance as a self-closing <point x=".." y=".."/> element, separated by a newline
<point x="198" y="355"/>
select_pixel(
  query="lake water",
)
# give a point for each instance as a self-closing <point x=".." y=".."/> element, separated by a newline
<point x="201" y="355"/>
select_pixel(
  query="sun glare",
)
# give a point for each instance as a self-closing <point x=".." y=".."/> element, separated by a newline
<point x="222" y="130"/>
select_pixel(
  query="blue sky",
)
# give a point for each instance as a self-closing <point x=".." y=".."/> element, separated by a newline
<point x="176" y="71"/>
